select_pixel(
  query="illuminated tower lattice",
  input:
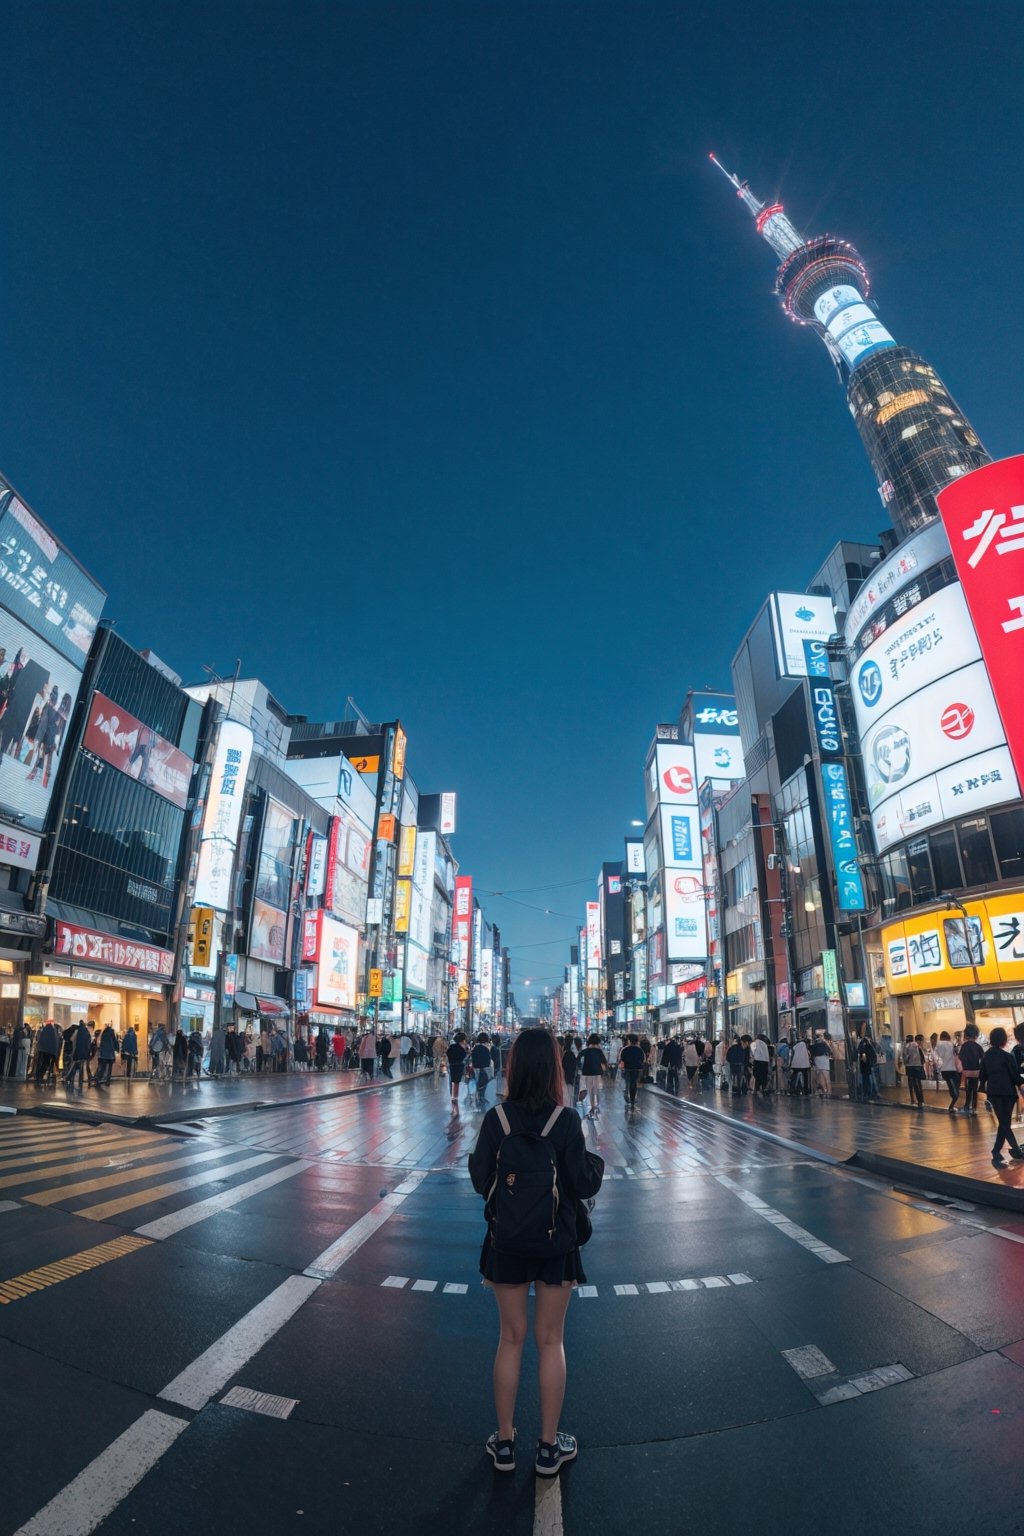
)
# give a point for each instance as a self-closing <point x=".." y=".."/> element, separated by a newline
<point x="916" y="436"/>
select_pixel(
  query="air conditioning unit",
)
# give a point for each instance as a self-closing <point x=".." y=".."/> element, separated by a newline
<point x="772" y="860"/>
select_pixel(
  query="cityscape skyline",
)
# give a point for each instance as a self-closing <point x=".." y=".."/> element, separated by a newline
<point x="472" y="640"/>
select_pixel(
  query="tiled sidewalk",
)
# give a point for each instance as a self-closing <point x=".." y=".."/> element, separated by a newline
<point x="929" y="1147"/>
<point x="140" y="1102"/>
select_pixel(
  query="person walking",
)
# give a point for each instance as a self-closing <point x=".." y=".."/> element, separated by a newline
<point x="691" y="1060"/>
<point x="480" y="1060"/>
<point x="821" y="1059"/>
<point x="760" y="1061"/>
<point x="457" y="1055"/>
<point x="867" y="1056"/>
<point x="438" y="1050"/>
<point x="800" y="1069"/>
<point x="518" y="1252"/>
<point x="570" y="1070"/>
<point x="631" y="1060"/>
<point x="913" y="1065"/>
<point x="672" y="1061"/>
<point x="107" y="1054"/>
<point x="81" y="1053"/>
<point x="179" y="1053"/>
<point x="949" y="1068"/>
<point x="593" y="1065"/>
<point x="130" y="1053"/>
<point x="218" y="1050"/>
<point x="971" y="1055"/>
<point x="405" y="1055"/>
<point x="736" y="1058"/>
<point x="194" y="1053"/>
<point x="47" y="1050"/>
<point x="21" y="1046"/>
<point x="367" y="1055"/>
<point x="339" y="1046"/>
<point x="384" y="1055"/>
<point x="159" y="1046"/>
<point x="279" y="1050"/>
<point x="1001" y="1080"/>
<point x="263" y="1048"/>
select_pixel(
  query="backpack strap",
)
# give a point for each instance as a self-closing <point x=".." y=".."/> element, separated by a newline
<point x="550" y="1125"/>
<point x="503" y="1119"/>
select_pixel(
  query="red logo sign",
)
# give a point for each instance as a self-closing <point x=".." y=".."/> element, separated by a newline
<point x="73" y="943"/>
<point x="983" y="515"/>
<point x="115" y="735"/>
<point x="957" y="721"/>
<point x="678" y="780"/>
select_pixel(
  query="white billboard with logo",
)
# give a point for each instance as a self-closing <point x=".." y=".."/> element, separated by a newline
<point x="680" y="837"/>
<point x="676" y="774"/>
<point x="795" y="618"/>
<point x="940" y="754"/>
<point x="931" y="641"/>
<point x="685" y="916"/>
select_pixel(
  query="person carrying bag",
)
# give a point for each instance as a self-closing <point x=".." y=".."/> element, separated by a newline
<point x="533" y="1168"/>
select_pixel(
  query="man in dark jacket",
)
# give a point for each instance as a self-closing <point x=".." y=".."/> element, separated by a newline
<point x="1001" y="1080"/>
<point x="107" y="1054"/>
<point x="47" y="1050"/>
<point x="632" y="1060"/>
<point x="80" y="1058"/>
<point x="672" y="1061"/>
<point x="481" y="1063"/>
<point x="867" y="1057"/>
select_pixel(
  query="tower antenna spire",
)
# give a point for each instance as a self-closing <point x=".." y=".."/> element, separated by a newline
<point x="742" y="187"/>
<point x="770" y="218"/>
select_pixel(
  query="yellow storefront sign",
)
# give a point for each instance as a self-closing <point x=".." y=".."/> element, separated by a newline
<point x="407" y="851"/>
<point x="932" y="950"/>
<point x="403" y="902"/>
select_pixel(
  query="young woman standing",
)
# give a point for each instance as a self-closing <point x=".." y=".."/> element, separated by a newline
<point x="533" y="1109"/>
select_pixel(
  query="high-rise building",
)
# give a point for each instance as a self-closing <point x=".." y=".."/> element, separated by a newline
<point x="915" y="435"/>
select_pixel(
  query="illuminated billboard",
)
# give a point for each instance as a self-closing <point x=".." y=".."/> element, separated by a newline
<point x="38" y="689"/>
<point x="42" y="585"/>
<point x="680" y="837"/>
<point x="676" y="771"/>
<point x="224" y="802"/>
<point x="931" y="641"/>
<point x="795" y="617"/>
<point x="983" y="515"/>
<point x="685" y="917"/>
<point x="336" y="976"/>
<point x="115" y="735"/>
<point x="593" y="936"/>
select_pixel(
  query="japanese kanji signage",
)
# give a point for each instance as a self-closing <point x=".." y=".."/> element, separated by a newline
<point x="462" y="928"/>
<point x="983" y="515"/>
<point x="839" y="820"/>
<point x="95" y="948"/>
<point x="223" y="813"/>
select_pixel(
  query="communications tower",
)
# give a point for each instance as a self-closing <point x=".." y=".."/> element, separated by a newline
<point x="915" y="434"/>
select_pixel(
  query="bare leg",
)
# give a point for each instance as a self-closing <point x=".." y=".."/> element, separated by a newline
<point x="512" y="1310"/>
<point x="548" y="1327"/>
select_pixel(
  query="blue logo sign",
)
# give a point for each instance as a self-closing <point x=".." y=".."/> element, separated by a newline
<point x="869" y="681"/>
<point x="839" y="811"/>
<point x="806" y="614"/>
<point x="816" y="658"/>
<point x="826" y="720"/>
<point x="682" y="843"/>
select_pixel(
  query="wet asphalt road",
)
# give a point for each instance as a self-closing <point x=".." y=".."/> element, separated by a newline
<point x="765" y="1342"/>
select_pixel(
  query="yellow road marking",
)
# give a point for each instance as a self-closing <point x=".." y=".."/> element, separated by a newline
<point x="158" y="1191"/>
<point x="65" y="1269"/>
<point x="171" y="1160"/>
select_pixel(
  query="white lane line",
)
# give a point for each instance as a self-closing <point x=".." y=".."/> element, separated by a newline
<point x="330" y="1261"/>
<point x="740" y="1279"/>
<point x="782" y="1223"/>
<point x="213" y="1369"/>
<point x="424" y="1285"/>
<point x="453" y="1289"/>
<point x="713" y="1282"/>
<point x="626" y="1290"/>
<point x="97" y="1491"/>
<point x="685" y="1285"/>
<point x="586" y="1290"/>
<point x="547" y="1507"/>
<point x="165" y="1226"/>
<point x="8" y="1205"/>
<point x="655" y="1287"/>
<point x="174" y="1187"/>
<point x="396" y="1282"/>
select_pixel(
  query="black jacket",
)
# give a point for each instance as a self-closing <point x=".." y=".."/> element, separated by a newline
<point x="672" y="1054"/>
<point x="580" y="1169"/>
<point x="1000" y="1074"/>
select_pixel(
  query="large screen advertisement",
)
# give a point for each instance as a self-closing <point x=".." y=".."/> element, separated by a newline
<point x="940" y="754"/>
<point x="933" y="640"/>
<point x="907" y="565"/>
<point x="38" y="689"/>
<point x="349" y="845"/>
<point x="116" y="736"/>
<point x="41" y="584"/>
<point x="680" y="837"/>
<point x="268" y="933"/>
<point x="983" y="515"/>
<point x="795" y="618"/>
<point x="685" y="916"/>
<point x="268" y="929"/>
<point x="337" y="966"/>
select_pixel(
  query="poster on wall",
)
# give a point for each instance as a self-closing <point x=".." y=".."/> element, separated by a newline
<point x="274" y="868"/>
<point x="38" y="689"/>
<point x="222" y="816"/>
<point x="337" y="967"/>
<point x="113" y="734"/>
<point x="268" y="933"/>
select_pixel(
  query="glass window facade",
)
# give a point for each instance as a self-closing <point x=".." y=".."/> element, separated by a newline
<point x="979" y="851"/>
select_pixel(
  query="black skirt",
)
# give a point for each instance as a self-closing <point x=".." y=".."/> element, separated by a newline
<point x="509" y="1269"/>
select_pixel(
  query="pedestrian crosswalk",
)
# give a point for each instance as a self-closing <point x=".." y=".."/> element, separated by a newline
<point x="106" y="1173"/>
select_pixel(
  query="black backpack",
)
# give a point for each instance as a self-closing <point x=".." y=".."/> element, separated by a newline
<point x="528" y="1211"/>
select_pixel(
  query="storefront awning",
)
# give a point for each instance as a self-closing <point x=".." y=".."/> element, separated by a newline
<point x="273" y="1007"/>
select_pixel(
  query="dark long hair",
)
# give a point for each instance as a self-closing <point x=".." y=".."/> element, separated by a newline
<point x="534" y="1074"/>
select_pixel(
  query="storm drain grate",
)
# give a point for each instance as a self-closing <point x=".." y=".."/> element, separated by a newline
<point x="259" y="1402"/>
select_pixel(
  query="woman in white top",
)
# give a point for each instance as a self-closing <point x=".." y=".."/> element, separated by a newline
<point x="949" y="1067"/>
<point x="800" y="1068"/>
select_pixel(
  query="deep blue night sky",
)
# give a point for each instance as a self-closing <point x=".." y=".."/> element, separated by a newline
<point x="416" y="352"/>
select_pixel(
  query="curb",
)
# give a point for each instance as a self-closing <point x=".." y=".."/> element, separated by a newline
<point x="82" y="1116"/>
<point x="927" y="1180"/>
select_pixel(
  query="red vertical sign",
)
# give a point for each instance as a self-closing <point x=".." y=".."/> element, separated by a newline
<point x="983" y="515"/>
<point x="462" y="926"/>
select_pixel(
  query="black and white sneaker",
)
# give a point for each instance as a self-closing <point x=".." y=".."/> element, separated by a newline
<point x="502" y="1452"/>
<point x="551" y="1457"/>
